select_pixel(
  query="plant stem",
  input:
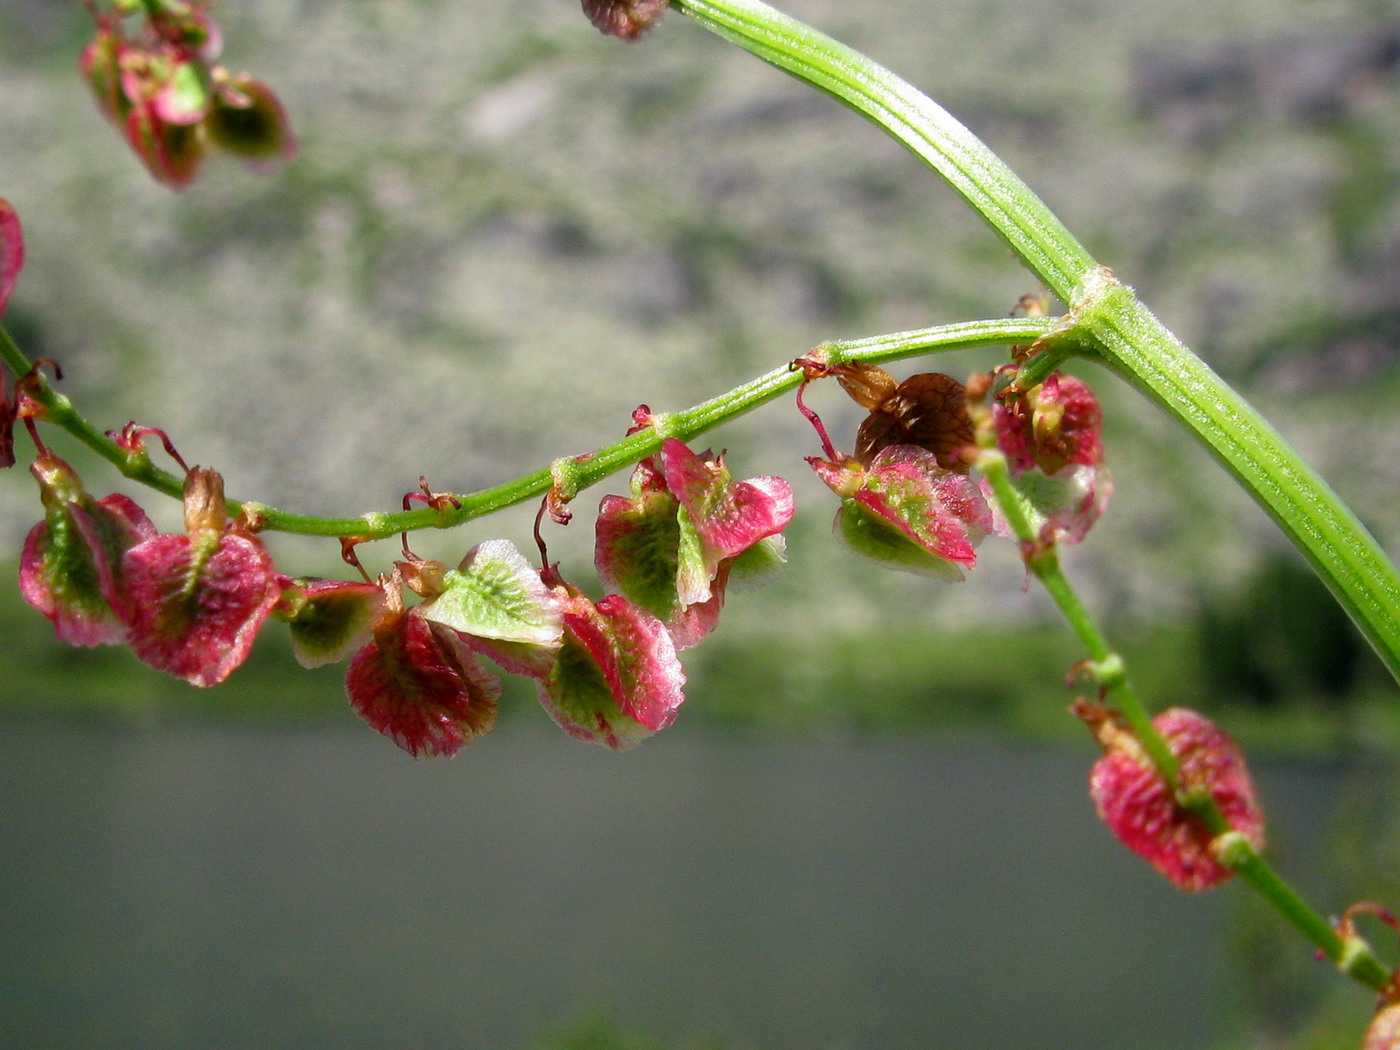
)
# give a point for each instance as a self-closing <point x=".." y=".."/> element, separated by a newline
<point x="576" y="473"/>
<point x="1354" y="957"/>
<point x="1131" y="341"/>
<point x="1110" y="323"/>
<point x="1043" y="562"/>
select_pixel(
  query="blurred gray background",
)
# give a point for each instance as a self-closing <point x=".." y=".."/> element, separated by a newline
<point x="503" y="232"/>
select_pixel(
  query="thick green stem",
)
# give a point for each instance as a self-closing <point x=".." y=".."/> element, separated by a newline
<point x="1128" y="338"/>
<point x="1110" y="323"/>
<point x="572" y="474"/>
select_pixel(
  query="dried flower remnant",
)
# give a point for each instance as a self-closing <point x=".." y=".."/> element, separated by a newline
<point x="197" y="600"/>
<point x="1139" y="805"/>
<point x="627" y="19"/>
<point x="71" y="566"/>
<point x="927" y="410"/>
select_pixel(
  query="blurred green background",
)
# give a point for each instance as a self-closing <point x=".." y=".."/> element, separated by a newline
<point x="504" y="231"/>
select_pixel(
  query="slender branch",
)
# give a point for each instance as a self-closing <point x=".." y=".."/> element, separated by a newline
<point x="575" y="473"/>
<point x="1353" y="956"/>
<point x="1043" y="562"/>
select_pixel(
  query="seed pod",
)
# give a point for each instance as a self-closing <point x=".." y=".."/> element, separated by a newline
<point x="928" y="410"/>
<point x="1142" y="810"/>
<point x="421" y="686"/>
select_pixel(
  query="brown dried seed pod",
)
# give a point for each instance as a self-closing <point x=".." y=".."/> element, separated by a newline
<point x="928" y="410"/>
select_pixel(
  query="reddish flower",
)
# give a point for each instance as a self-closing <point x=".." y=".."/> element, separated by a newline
<point x="197" y="600"/>
<point x="728" y="516"/>
<point x="617" y="678"/>
<point x="180" y="94"/>
<point x="172" y="153"/>
<point x="1050" y="426"/>
<point x="907" y="512"/>
<point x="194" y="31"/>
<point x="687" y="528"/>
<point x="330" y="619"/>
<point x="1142" y="810"/>
<point x="628" y="19"/>
<point x="71" y="566"/>
<point x="1052" y="436"/>
<point x="247" y="120"/>
<point x="418" y="683"/>
<point x="162" y="90"/>
<point x="11" y="251"/>
<point x="100" y="64"/>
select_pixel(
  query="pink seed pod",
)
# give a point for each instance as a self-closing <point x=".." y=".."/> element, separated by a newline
<point x="71" y="566"/>
<point x="329" y="619"/>
<point x="617" y="679"/>
<point x="907" y="512"/>
<point x="11" y="251"/>
<point x="1143" y="811"/>
<point x="196" y="601"/>
<point x="248" y="120"/>
<point x="672" y="545"/>
<point x="420" y="685"/>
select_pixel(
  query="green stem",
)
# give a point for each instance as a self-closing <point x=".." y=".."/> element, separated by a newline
<point x="1130" y="340"/>
<point x="1043" y="561"/>
<point x="1109" y="323"/>
<point x="59" y="411"/>
<point x="1354" y="957"/>
<point x="573" y="474"/>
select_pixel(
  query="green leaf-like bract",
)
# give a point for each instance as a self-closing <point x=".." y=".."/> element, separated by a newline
<point x="495" y="593"/>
